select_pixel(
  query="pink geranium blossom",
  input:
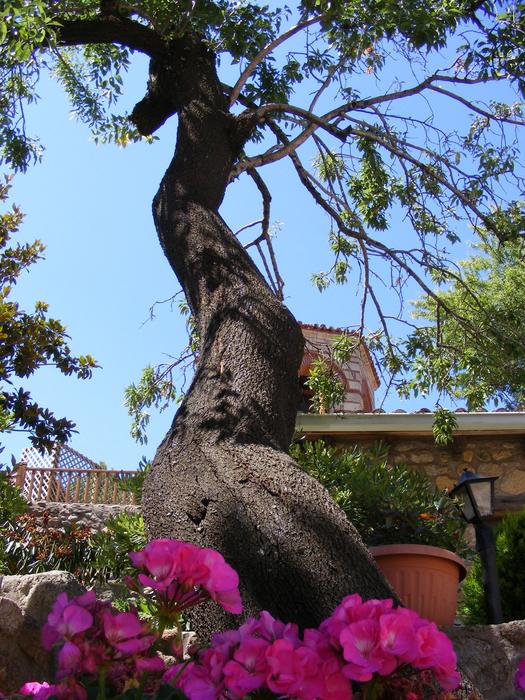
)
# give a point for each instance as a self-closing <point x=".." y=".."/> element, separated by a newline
<point x="398" y="637"/>
<point x="182" y="575"/>
<point x="363" y="652"/>
<point x="294" y="671"/>
<point x="126" y="633"/>
<point x="362" y="641"/>
<point x="247" y="670"/>
<point x="39" y="691"/>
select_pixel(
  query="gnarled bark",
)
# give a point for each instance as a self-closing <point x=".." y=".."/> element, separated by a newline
<point x="221" y="477"/>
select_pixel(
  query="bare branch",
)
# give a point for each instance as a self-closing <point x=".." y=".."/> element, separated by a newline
<point x="476" y="108"/>
<point x="247" y="226"/>
<point x="266" y="199"/>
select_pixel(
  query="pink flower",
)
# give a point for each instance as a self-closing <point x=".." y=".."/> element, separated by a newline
<point x="40" y="691"/>
<point x="398" y="637"/>
<point x="67" y="619"/>
<point x="293" y="671"/>
<point x="247" y="670"/>
<point x="126" y="633"/>
<point x="222" y="582"/>
<point x="152" y="664"/>
<point x="435" y="648"/>
<point x="519" y="678"/>
<point x="335" y="684"/>
<point x="361" y="648"/>
<point x="195" y="682"/>
<point x="352" y="609"/>
<point x="69" y="658"/>
<point x="182" y="575"/>
<point x="267" y="627"/>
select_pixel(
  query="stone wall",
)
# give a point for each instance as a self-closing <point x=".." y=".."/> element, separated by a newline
<point x="93" y="515"/>
<point x="503" y="457"/>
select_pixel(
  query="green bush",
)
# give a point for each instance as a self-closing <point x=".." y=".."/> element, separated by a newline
<point x="30" y="545"/>
<point x="12" y="503"/>
<point x="472" y="608"/>
<point x="388" y="504"/>
<point x="133" y="484"/>
<point x="122" y="534"/>
<point x="510" y="555"/>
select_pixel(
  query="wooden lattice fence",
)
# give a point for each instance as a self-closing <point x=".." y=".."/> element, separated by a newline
<point x="66" y="476"/>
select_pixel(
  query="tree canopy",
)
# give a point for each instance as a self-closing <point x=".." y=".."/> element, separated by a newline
<point x="477" y="352"/>
<point x="374" y="64"/>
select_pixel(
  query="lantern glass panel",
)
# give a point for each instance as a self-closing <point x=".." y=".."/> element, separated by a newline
<point x="465" y="503"/>
<point x="482" y="492"/>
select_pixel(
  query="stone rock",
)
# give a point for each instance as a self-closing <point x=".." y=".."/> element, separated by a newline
<point x="513" y="482"/>
<point x="501" y="455"/>
<point x="444" y="483"/>
<point x="92" y="515"/>
<point x="25" y="602"/>
<point x="11" y="617"/>
<point x="36" y="593"/>
<point x="422" y="457"/>
<point x="489" y="655"/>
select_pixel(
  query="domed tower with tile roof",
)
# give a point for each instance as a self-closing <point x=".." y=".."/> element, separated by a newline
<point x="357" y="374"/>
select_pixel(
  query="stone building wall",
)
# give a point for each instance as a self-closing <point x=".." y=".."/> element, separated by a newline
<point x="501" y="456"/>
<point x="92" y="515"/>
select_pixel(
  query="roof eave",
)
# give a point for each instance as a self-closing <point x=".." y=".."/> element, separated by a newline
<point x="407" y="423"/>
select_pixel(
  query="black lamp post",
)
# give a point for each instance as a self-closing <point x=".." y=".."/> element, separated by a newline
<point x="475" y="494"/>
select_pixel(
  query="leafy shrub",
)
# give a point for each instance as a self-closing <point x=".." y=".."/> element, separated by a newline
<point x="510" y="555"/>
<point x="12" y="503"/>
<point x="122" y="534"/>
<point x="472" y="608"/>
<point x="31" y="545"/>
<point x="388" y="504"/>
<point x="133" y="484"/>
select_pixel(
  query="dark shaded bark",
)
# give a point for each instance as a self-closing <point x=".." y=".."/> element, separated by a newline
<point x="222" y="477"/>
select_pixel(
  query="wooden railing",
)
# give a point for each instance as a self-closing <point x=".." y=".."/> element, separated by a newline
<point x="73" y="485"/>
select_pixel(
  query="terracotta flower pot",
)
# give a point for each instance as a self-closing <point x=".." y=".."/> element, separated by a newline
<point x="425" y="578"/>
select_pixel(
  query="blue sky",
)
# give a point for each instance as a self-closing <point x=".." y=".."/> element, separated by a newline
<point x="104" y="268"/>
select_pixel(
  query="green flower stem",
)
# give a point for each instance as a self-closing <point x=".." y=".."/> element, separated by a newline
<point x="142" y="684"/>
<point x="178" y="623"/>
<point x="101" y="694"/>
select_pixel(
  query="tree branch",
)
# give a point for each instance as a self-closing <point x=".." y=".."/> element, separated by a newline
<point x="111" y="30"/>
<point x="264" y="52"/>
<point x="475" y="108"/>
<point x="278" y="282"/>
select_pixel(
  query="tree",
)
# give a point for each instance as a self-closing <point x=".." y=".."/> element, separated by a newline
<point x="222" y="476"/>
<point x="447" y="354"/>
<point x="29" y="341"/>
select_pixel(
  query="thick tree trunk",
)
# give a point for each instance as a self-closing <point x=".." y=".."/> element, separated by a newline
<point x="222" y="478"/>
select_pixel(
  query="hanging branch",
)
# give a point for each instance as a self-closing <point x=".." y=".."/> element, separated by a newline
<point x="277" y="280"/>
